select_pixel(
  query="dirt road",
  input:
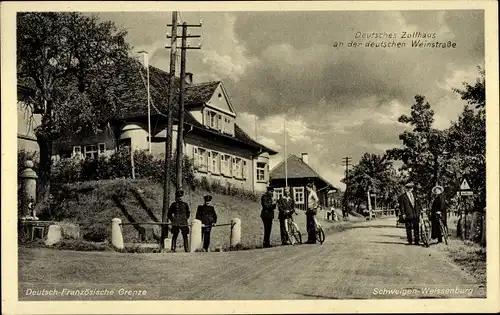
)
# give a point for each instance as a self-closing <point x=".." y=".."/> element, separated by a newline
<point x="368" y="261"/>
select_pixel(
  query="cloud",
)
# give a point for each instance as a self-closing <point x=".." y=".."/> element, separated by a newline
<point x="339" y="101"/>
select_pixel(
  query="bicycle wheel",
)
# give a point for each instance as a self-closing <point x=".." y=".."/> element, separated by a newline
<point x="320" y="234"/>
<point x="296" y="234"/>
<point x="425" y="235"/>
<point x="444" y="232"/>
<point x="289" y="233"/>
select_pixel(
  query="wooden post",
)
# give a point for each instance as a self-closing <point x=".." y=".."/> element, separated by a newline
<point x="168" y="140"/>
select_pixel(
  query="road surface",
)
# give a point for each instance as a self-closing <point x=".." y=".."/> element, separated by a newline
<point x="370" y="261"/>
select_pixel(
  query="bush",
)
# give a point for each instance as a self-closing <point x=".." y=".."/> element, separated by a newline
<point x="118" y="165"/>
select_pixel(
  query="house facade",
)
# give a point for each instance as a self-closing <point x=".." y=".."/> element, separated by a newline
<point x="221" y="151"/>
<point x="297" y="175"/>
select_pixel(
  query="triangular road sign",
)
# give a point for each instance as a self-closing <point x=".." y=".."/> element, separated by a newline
<point x="465" y="185"/>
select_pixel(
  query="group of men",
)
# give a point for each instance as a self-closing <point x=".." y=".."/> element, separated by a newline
<point x="286" y="209"/>
<point x="179" y="214"/>
<point x="410" y="210"/>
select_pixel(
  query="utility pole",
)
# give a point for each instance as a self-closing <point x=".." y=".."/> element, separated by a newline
<point x="185" y="80"/>
<point x="346" y="161"/>
<point x="168" y="140"/>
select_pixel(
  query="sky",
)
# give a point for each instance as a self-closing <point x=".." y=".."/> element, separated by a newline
<point x="338" y="101"/>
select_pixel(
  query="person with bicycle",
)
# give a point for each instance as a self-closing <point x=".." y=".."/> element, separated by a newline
<point x="312" y="208"/>
<point x="267" y="215"/>
<point x="286" y="208"/>
<point x="438" y="212"/>
<point x="206" y="214"/>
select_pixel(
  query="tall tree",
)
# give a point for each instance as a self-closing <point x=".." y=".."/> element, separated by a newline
<point x="72" y="64"/>
<point x="423" y="150"/>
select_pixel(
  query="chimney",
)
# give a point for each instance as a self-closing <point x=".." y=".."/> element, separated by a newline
<point x="144" y="59"/>
<point x="304" y="158"/>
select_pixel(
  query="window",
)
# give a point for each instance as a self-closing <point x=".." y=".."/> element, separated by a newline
<point x="278" y="193"/>
<point x="261" y="172"/>
<point x="102" y="148"/>
<point x="213" y="162"/>
<point x="219" y="126"/>
<point x="238" y="168"/>
<point x="91" y="151"/>
<point x="233" y="169"/>
<point x="245" y="170"/>
<point x="225" y="162"/>
<point x="298" y="195"/>
<point x="200" y="159"/>
<point x="77" y="151"/>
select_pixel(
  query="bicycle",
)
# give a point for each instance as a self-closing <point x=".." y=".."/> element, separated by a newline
<point x="425" y="230"/>
<point x="442" y="228"/>
<point x="292" y="230"/>
<point x="320" y="234"/>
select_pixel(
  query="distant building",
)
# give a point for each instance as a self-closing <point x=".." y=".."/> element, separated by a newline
<point x="299" y="173"/>
<point x="222" y="152"/>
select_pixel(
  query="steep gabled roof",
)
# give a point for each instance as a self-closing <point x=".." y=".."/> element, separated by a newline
<point x="296" y="168"/>
<point x="200" y="93"/>
<point x="134" y="100"/>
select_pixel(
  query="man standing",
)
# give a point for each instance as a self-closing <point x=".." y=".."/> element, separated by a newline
<point x="410" y="210"/>
<point x="206" y="214"/>
<point x="312" y="208"/>
<point x="178" y="214"/>
<point x="267" y="214"/>
<point x="286" y="207"/>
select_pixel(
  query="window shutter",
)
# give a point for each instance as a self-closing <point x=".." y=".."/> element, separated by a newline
<point x="245" y="170"/>
<point x="207" y="117"/>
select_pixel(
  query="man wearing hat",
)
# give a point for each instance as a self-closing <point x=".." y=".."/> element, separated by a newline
<point x="206" y="214"/>
<point x="178" y="214"/>
<point x="438" y="208"/>
<point x="410" y="208"/>
<point x="267" y="214"/>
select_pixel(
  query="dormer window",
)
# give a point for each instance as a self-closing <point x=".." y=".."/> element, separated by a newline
<point x="219" y="121"/>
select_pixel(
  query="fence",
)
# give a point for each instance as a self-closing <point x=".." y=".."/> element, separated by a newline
<point x="195" y="232"/>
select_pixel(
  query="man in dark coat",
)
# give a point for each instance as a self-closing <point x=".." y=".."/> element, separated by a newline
<point x="178" y="214"/>
<point x="267" y="215"/>
<point x="438" y="208"/>
<point x="206" y="214"/>
<point x="410" y="208"/>
<point x="286" y="208"/>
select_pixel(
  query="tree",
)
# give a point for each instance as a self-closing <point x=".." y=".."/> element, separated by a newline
<point x="423" y="152"/>
<point x="370" y="174"/>
<point x="72" y="64"/>
<point x="475" y="95"/>
<point x="467" y="138"/>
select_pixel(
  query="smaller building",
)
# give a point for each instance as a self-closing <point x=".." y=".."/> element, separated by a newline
<point x="298" y="174"/>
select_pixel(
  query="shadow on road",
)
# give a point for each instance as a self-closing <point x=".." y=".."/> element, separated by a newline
<point x="322" y="296"/>
<point x="388" y="242"/>
<point x="375" y="226"/>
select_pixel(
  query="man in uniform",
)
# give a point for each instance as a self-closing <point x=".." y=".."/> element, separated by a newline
<point x="178" y="214"/>
<point x="267" y="215"/>
<point x="206" y="214"/>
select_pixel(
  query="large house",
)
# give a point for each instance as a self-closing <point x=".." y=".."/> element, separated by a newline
<point x="221" y="150"/>
<point x="297" y="173"/>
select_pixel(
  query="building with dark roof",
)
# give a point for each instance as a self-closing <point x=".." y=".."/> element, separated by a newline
<point x="297" y="173"/>
<point x="221" y="150"/>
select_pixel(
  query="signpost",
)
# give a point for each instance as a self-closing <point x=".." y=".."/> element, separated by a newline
<point x="463" y="192"/>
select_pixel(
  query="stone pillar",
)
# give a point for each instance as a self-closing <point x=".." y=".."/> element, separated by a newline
<point x="54" y="235"/>
<point x="116" y="233"/>
<point x="28" y="188"/>
<point x="235" y="232"/>
<point x="195" y="236"/>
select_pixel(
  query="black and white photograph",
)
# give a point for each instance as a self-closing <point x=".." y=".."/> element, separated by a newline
<point x="321" y="153"/>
